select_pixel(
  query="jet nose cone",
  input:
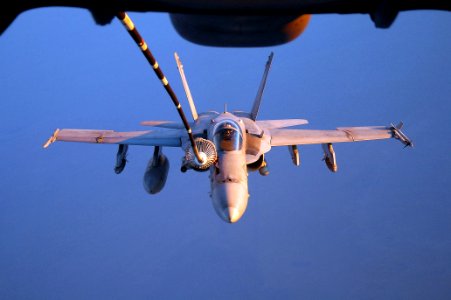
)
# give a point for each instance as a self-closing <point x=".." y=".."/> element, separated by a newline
<point x="231" y="214"/>
<point x="230" y="201"/>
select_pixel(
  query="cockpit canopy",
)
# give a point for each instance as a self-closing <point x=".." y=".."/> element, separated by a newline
<point x="228" y="137"/>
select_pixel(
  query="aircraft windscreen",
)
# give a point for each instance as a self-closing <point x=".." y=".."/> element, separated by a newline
<point x="228" y="137"/>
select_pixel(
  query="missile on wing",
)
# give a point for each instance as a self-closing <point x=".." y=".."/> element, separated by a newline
<point x="329" y="157"/>
<point x="156" y="172"/>
<point x="256" y="165"/>
<point x="399" y="135"/>
<point x="293" y="149"/>
<point x="121" y="158"/>
<point x="259" y="165"/>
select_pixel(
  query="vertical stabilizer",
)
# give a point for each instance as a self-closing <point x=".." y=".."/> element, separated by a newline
<point x="186" y="87"/>
<point x="261" y="88"/>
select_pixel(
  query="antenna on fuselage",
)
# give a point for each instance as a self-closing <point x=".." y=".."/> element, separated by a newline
<point x="258" y="97"/>
<point x="186" y="87"/>
<point x="125" y="19"/>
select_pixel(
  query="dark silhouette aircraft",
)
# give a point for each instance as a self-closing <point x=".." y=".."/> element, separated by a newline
<point x="235" y="23"/>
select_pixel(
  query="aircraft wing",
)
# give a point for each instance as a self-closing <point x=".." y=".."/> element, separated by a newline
<point x="168" y="137"/>
<point x="287" y="137"/>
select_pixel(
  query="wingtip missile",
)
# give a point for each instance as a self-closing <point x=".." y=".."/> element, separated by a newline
<point x="399" y="135"/>
<point x="51" y="139"/>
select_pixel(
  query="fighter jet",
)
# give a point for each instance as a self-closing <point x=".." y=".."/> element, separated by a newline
<point x="227" y="145"/>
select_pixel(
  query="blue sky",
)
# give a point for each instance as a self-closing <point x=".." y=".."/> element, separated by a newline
<point x="72" y="229"/>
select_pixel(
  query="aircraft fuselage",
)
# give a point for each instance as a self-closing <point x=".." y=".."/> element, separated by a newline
<point x="228" y="176"/>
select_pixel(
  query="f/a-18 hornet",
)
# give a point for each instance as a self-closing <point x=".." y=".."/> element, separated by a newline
<point x="228" y="145"/>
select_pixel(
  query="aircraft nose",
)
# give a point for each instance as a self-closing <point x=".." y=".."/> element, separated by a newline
<point x="231" y="214"/>
<point x="230" y="201"/>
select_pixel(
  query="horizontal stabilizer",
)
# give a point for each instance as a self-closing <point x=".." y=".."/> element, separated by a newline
<point x="163" y="124"/>
<point x="274" y="124"/>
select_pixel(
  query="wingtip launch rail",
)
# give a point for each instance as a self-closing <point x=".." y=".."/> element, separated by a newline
<point x="51" y="139"/>
<point x="398" y="134"/>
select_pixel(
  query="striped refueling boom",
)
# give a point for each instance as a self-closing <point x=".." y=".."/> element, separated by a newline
<point x="128" y="23"/>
